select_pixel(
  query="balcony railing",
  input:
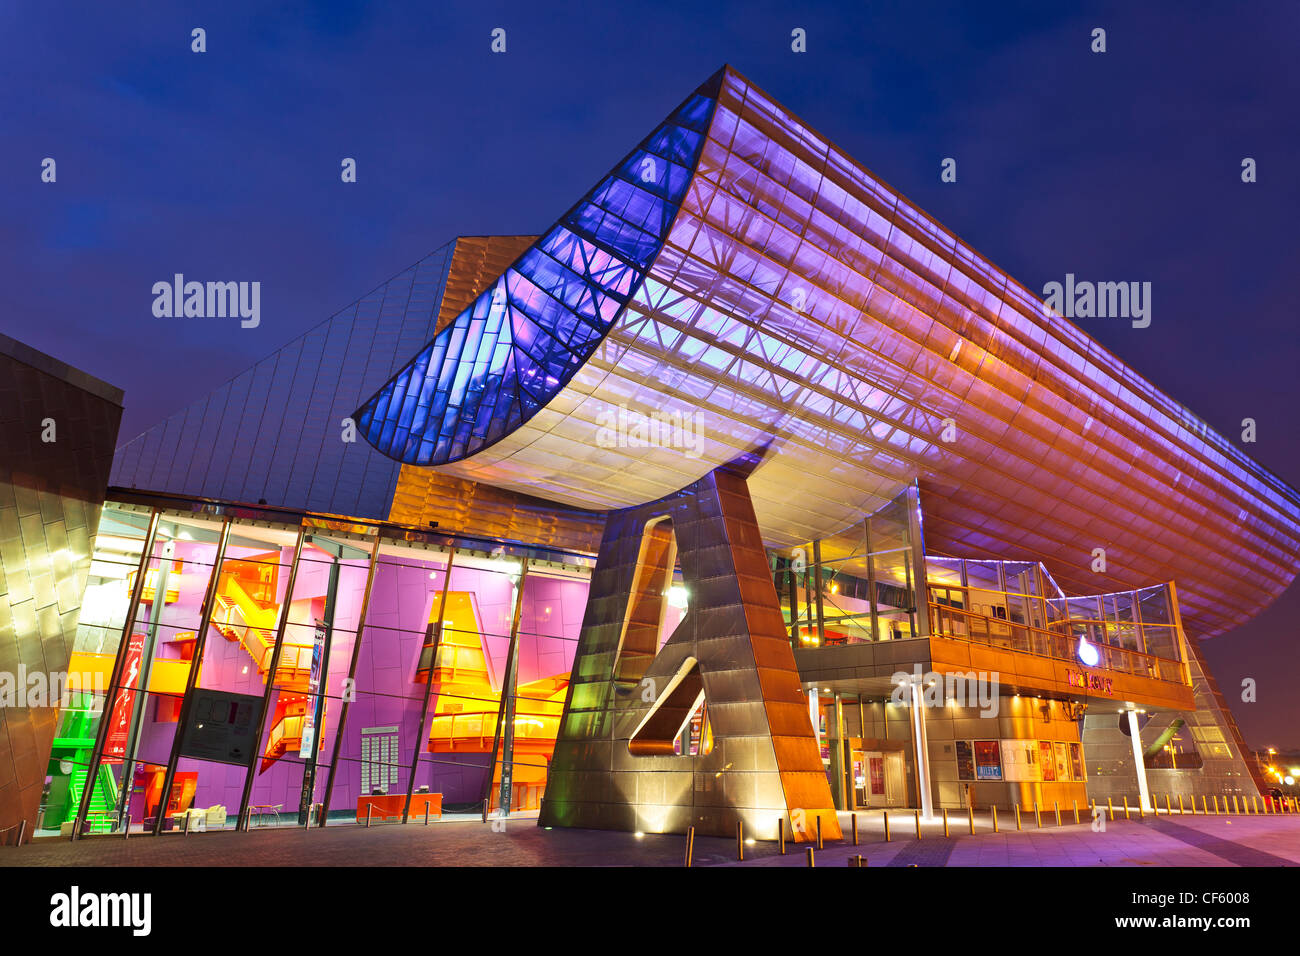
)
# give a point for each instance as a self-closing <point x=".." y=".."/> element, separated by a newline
<point x="994" y="632"/>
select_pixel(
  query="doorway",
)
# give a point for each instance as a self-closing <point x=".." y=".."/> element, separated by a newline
<point x="878" y="778"/>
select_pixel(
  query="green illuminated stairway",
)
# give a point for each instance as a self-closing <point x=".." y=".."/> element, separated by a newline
<point x="74" y="743"/>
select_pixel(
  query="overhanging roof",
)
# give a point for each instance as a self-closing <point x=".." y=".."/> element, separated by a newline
<point x="794" y="306"/>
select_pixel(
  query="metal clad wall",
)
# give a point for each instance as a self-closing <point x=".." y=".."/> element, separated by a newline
<point x="50" y="499"/>
<point x="274" y="431"/>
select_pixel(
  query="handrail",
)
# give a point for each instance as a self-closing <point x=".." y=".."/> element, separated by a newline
<point x="1044" y="643"/>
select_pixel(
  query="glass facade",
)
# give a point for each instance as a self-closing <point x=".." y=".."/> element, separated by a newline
<point x="341" y="669"/>
<point x="1016" y="605"/>
<point x="858" y="586"/>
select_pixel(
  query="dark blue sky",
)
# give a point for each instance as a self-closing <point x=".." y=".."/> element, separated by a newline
<point x="225" y="166"/>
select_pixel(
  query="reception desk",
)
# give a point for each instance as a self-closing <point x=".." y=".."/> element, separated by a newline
<point x="389" y="806"/>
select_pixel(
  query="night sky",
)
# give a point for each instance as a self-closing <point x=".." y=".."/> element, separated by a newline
<point x="225" y="165"/>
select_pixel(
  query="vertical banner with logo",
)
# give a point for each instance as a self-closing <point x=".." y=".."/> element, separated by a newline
<point x="119" y="728"/>
<point x="311" y="719"/>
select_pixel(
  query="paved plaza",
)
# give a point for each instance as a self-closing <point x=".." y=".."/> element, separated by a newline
<point x="1164" y="840"/>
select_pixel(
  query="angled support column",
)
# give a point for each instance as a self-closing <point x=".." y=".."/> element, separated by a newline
<point x="615" y="764"/>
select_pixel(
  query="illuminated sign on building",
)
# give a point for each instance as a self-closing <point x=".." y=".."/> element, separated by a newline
<point x="1085" y="681"/>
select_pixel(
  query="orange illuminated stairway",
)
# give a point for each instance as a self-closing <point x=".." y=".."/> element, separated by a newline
<point x="468" y="689"/>
<point x="246" y="612"/>
<point x="238" y="616"/>
<point x="286" y="728"/>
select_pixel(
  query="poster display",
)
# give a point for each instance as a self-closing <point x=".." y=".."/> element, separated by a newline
<point x="988" y="760"/>
<point x="1046" y="761"/>
<point x="1020" y="760"/>
<point x="965" y="760"/>
<point x="1076" y="761"/>
<point x="1062" y="753"/>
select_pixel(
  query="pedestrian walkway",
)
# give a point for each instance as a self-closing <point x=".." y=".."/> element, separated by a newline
<point x="1241" y="840"/>
<point x="1163" y="840"/>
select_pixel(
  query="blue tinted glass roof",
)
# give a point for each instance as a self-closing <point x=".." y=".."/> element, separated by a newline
<point x="504" y="357"/>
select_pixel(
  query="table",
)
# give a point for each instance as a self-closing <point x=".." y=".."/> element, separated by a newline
<point x="262" y="809"/>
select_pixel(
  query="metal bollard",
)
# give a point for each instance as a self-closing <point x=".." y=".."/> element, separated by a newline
<point x="780" y="834"/>
<point x="370" y="809"/>
<point x="426" y="813"/>
<point x="1169" y="808"/>
<point x="995" y="818"/>
<point x="970" y="816"/>
<point x="1126" y="808"/>
<point x="857" y="860"/>
<point x="740" y="840"/>
<point x="1075" y="805"/>
<point x="819" y="831"/>
<point x="1215" y="798"/>
<point x="1056" y="807"/>
<point x="1142" y="808"/>
<point x="1180" y="804"/>
<point x="1017" y="816"/>
<point x="1038" y="816"/>
<point x="22" y="831"/>
<point x="945" y="824"/>
<point x="811" y="860"/>
<point x="885" y="815"/>
<point x="1205" y="806"/>
<point x="690" y="846"/>
<point x="917" y="815"/>
<point x="1234" y="804"/>
<point x="855" y="829"/>
<point x="185" y="831"/>
<point x="1110" y="808"/>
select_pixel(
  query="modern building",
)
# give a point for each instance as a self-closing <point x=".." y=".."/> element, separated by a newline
<point x="744" y="492"/>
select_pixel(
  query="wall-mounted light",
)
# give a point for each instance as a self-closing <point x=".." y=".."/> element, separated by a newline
<point x="1087" y="653"/>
